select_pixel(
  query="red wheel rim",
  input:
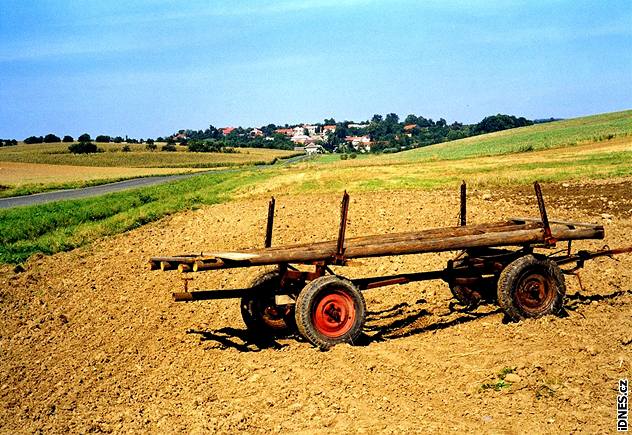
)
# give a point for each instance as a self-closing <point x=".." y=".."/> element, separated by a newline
<point x="334" y="314"/>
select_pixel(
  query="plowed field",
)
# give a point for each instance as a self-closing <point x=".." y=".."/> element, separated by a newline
<point x="90" y="340"/>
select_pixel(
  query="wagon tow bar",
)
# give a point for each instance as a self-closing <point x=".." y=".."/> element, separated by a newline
<point x="580" y="258"/>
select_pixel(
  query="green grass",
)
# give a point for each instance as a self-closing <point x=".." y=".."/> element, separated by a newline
<point x="506" y="170"/>
<point x="61" y="226"/>
<point x="565" y="133"/>
<point x="500" y="383"/>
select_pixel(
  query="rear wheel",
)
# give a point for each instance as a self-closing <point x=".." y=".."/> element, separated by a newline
<point x="259" y="310"/>
<point x="531" y="288"/>
<point x="330" y="310"/>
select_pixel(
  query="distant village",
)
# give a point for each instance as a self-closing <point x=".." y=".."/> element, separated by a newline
<point x="382" y="134"/>
<point x="306" y="138"/>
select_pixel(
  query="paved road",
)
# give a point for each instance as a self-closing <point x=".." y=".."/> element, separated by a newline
<point x="85" y="192"/>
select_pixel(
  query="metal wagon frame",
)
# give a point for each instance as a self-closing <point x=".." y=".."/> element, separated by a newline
<point x="497" y="263"/>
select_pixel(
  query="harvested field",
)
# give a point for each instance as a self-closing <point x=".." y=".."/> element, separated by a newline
<point x="90" y="340"/>
<point x="138" y="157"/>
<point x="20" y="174"/>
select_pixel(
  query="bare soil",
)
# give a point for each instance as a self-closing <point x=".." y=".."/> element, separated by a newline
<point x="90" y="340"/>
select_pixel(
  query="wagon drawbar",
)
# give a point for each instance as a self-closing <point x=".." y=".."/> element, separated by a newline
<point x="497" y="263"/>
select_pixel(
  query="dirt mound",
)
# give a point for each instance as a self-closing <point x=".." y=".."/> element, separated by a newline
<point x="90" y="340"/>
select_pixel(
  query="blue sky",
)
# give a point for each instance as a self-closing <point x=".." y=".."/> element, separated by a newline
<point x="148" y="68"/>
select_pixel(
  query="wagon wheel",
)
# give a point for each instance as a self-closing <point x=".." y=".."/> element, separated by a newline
<point x="466" y="295"/>
<point x="259" y="310"/>
<point x="472" y="294"/>
<point x="330" y="310"/>
<point x="531" y="288"/>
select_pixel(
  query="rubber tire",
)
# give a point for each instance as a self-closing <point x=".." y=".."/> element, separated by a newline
<point x="264" y="286"/>
<point x="307" y="302"/>
<point x="509" y="281"/>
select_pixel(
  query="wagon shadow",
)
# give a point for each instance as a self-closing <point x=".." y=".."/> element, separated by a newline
<point x="399" y="321"/>
<point x="392" y="323"/>
<point x="239" y="339"/>
<point x="576" y="300"/>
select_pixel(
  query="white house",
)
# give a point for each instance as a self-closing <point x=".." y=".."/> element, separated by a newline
<point x="311" y="129"/>
<point x="360" y="143"/>
<point x="313" y="148"/>
<point x="328" y="129"/>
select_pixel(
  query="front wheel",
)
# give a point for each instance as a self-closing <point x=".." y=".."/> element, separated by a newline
<point x="531" y="288"/>
<point x="330" y="310"/>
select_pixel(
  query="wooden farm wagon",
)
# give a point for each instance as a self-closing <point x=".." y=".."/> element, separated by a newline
<point x="497" y="262"/>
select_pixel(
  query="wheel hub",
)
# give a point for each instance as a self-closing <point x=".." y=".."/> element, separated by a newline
<point x="534" y="293"/>
<point x="334" y="314"/>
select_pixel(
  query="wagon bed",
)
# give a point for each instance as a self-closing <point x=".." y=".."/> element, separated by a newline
<point x="514" y="232"/>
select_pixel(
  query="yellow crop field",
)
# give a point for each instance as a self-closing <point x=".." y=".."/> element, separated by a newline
<point x="19" y="174"/>
<point x="138" y="157"/>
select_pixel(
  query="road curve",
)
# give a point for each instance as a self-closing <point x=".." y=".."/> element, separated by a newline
<point x="102" y="189"/>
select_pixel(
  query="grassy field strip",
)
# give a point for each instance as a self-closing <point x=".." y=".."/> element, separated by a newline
<point x="567" y="133"/>
<point x="57" y="154"/>
<point x="594" y="161"/>
<point x="65" y="225"/>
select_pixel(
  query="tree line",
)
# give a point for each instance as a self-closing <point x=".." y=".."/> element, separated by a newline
<point x="8" y="142"/>
<point x="388" y="134"/>
<point x="52" y="138"/>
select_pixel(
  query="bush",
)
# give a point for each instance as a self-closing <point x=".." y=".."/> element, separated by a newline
<point x="84" y="138"/>
<point x="353" y="155"/>
<point x="344" y="156"/>
<point x="117" y="139"/>
<point x="8" y="143"/>
<point x="103" y="138"/>
<point x="126" y="148"/>
<point x="83" y="148"/>
<point x="51" y="138"/>
<point x="204" y="146"/>
<point x="67" y="139"/>
<point x="151" y="146"/>
<point x="34" y="139"/>
<point x="169" y="147"/>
